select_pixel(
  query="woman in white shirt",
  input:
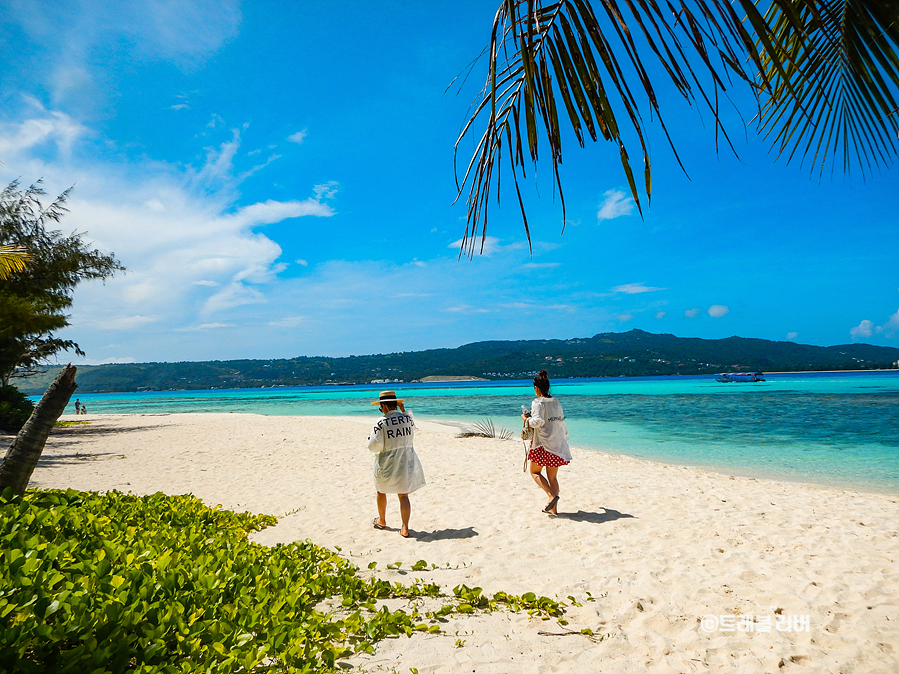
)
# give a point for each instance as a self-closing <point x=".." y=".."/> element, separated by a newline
<point x="397" y="469"/>
<point x="549" y="446"/>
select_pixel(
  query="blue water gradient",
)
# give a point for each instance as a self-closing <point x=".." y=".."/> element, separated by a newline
<point x="838" y="429"/>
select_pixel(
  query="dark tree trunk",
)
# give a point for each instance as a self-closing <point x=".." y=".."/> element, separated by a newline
<point x="24" y="452"/>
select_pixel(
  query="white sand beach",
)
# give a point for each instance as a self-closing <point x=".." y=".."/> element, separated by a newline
<point x="656" y="546"/>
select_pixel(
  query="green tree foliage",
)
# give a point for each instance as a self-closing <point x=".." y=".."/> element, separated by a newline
<point x="34" y="299"/>
<point x="15" y="408"/>
<point x="824" y="72"/>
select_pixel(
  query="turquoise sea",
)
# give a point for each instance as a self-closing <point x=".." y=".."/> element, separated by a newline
<point x="839" y="429"/>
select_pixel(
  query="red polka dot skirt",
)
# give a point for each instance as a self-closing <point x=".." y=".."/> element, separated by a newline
<point x="543" y="458"/>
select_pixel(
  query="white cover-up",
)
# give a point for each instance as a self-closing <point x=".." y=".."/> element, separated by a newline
<point x="550" y="431"/>
<point x="397" y="469"/>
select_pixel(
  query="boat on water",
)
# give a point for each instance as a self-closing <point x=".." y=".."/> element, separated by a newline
<point x="740" y="377"/>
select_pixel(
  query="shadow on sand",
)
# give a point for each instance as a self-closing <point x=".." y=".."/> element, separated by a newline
<point x="54" y="459"/>
<point x="443" y="534"/>
<point x="93" y="429"/>
<point x="594" y="518"/>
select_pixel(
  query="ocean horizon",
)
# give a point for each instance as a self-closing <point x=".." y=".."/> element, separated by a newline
<point x="835" y="429"/>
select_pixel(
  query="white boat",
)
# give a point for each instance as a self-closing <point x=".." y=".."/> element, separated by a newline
<point x="739" y="377"/>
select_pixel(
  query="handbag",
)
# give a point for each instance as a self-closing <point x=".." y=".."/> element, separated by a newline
<point x="527" y="433"/>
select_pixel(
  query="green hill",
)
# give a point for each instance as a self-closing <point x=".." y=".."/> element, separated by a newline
<point x="611" y="354"/>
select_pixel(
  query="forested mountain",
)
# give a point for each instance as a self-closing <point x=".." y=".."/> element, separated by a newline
<point x="611" y="354"/>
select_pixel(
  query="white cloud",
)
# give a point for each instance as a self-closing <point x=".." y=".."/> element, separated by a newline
<point x="297" y="137"/>
<point x="302" y="262"/>
<point x="234" y="295"/>
<point x="115" y="361"/>
<point x="538" y="306"/>
<point x="792" y="335"/>
<point x="207" y="326"/>
<point x="718" y="310"/>
<point x="891" y="327"/>
<point x="691" y="313"/>
<point x="615" y="204"/>
<point x="862" y="330"/>
<point x="867" y="328"/>
<point x="46" y="128"/>
<point x="287" y="322"/>
<point x="660" y="314"/>
<point x="635" y="288"/>
<point x="219" y="166"/>
<point x="326" y="190"/>
<point x="268" y="212"/>
<point x="127" y="322"/>
<point x="180" y="106"/>
<point x="76" y="38"/>
<point x="189" y="253"/>
<point x="624" y="318"/>
<point x="466" y="309"/>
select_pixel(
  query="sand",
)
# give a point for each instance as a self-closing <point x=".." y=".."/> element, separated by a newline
<point x="656" y="547"/>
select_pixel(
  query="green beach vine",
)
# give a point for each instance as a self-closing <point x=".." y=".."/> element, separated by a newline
<point x="112" y="582"/>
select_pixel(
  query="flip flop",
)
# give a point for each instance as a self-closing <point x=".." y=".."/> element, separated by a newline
<point x="375" y="524"/>
<point x="406" y="535"/>
<point x="551" y="504"/>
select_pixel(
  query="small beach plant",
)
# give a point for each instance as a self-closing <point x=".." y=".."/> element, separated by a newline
<point x="486" y="429"/>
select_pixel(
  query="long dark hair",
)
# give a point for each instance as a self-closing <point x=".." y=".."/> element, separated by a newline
<point x="541" y="381"/>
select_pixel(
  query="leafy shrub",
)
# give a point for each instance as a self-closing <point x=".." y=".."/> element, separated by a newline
<point x="15" y="408"/>
<point x="110" y="583"/>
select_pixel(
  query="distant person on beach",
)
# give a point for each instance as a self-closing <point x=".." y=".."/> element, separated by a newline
<point x="397" y="468"/>
<point x="77" y="406"/>
<point x="549" y="446"/>
<point x="83" y="409"/>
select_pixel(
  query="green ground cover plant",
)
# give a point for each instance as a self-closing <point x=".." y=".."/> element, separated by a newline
<point x="112" y="582"/>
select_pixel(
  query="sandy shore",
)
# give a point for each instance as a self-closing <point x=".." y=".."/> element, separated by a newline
<point x="656" y="546"/>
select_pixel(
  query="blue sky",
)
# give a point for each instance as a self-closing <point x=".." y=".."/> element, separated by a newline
<point x="278" y="179"/>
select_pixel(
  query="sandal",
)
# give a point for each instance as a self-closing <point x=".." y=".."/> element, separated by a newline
<point x="551" y="504"/>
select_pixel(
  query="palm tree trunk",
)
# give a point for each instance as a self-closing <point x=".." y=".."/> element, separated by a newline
<point x="25" y="450"/>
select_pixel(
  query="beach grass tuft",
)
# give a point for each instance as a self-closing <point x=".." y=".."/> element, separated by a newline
<point x="486" y="429"/>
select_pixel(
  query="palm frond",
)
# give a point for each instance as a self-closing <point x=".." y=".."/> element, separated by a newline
<point x="837" y="97"/>
<point x="557" y="62"/>
<point x="13" y="259"/>
<point x="825" y="72"/>
<point x="486" y="429"/>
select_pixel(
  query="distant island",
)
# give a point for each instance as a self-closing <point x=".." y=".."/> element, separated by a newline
<point x="610" y="354"/>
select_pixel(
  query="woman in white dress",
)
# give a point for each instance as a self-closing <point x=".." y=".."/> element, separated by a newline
<point x="549" y="446"/>
<point x="397" y="469"/>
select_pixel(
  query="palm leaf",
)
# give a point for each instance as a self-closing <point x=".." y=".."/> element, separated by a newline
<point x="543" y="51"/>
<point x="826" y="72"/>
<point x="837" y="98"/>
<point x="12" y="259"/>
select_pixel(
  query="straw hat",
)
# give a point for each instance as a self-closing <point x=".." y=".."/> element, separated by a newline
<point x="387" y="397"/>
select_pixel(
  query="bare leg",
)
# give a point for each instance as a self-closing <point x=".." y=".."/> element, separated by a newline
<point x="551" y="473"/>
<point x="405" y="511"/>
<point x="536" y="473"/>
<point x="382" y="509"/>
